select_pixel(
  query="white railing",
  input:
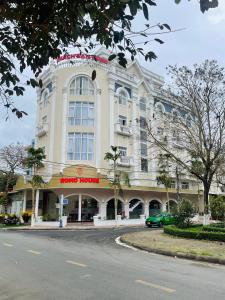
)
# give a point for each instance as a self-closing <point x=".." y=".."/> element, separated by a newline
<point x="125" y="161"/>
<point x="124" y="130"/>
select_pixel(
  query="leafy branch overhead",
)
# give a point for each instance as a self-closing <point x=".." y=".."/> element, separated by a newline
<point x="32" y="32"/>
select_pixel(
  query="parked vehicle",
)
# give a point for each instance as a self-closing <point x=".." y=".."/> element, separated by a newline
<point x="160" y="220"/>
<point x="11" y="220"/>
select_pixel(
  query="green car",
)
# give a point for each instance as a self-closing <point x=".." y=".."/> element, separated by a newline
<point x="159" y="220"/>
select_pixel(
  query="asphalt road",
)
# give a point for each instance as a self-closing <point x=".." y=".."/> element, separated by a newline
<point x="90" y="265"/>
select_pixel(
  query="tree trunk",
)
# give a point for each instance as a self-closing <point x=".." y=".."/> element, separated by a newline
<point x="33" y="207"/>
<point x="168" y="200"/>
<point x="206" y="197"/>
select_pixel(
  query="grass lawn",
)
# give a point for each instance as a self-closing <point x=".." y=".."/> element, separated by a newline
<point x="156" y="239"/>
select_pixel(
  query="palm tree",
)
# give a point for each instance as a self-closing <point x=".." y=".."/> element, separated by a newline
<point x="34" y="161"/>
<point x="114" y="155"/>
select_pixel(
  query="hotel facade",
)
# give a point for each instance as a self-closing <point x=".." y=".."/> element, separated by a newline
<point x="78" y="120"/>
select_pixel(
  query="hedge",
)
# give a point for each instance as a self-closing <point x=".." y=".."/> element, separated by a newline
<point x="191" y="234"/>
<point x="213" y="228"/>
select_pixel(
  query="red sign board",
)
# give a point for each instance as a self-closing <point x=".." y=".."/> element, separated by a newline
<point x="83" y="56"/>
<point x="79" y="180"/>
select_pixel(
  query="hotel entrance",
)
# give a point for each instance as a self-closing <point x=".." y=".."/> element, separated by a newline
<point x="81" y="208"/>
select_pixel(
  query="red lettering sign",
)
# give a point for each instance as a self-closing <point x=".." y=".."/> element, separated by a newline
<point x="83" y="56"/>
<point x="79" y="180"/>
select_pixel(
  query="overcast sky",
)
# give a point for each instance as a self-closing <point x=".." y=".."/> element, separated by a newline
<point x="203" y="38"/>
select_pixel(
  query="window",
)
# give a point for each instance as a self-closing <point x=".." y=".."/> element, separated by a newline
<point x="142" y="104"/>
<point x="45" y="98"/>
<point x="143" y="135"/>
<point x="123" y="151"/>
<point x="122" y="120"/>
<point x="123" y="97"/>
<point x="185" y="185"/>
<point x="159" y="110"/>
<point x="172" y="184"/>
<point x="143" y="122"/>
<point x="81" y="113"/>
<point x="81" y="85"/>
<point x="175" y="116"/>
<point x="144" y="165"/>
<point x="80" y="146"/>
<point x="144" y="150"/>
<point x="160" y="131"/>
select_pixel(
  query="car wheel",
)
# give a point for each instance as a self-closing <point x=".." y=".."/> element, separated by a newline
<point x="149" y="226"/>
<point x="160" y="224"/>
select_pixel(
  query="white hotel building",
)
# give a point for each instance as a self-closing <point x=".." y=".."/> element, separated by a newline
<point x="78" y="120"/>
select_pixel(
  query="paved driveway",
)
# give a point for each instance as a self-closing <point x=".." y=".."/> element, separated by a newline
<point x="89" y="265"/>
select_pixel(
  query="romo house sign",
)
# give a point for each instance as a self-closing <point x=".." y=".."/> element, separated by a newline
<point x="79" y="180"/>
<point x="83" y="56"/>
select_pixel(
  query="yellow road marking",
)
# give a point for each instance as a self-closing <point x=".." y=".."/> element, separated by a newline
<point x="33" y="252"/>
<point x="8" y="245"/>
<point x="76" y="263"/>
<point x="156" y="286"/>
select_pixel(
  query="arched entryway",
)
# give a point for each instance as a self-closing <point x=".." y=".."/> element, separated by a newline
<point x="154" y="207"/>
<point x="110" y="209"/>
<point x="136" y="208"/>
<point x="172" y="206"/>
<point x="81" y="208"/>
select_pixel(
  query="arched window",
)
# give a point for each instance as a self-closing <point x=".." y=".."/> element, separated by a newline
<point x="81" y="85"/>
<point x="123" y="97"/>
<point x="142" y="104"/>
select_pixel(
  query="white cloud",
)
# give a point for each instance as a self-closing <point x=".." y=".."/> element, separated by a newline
<point x="217" y="15"/>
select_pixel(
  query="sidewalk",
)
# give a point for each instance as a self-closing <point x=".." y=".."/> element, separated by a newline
<point x="84" y="226"/>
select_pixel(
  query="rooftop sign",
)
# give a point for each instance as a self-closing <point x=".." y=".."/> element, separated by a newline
<point x="83" y="56"/>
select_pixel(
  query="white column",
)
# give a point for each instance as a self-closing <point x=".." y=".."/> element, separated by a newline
<point x="146" y="209"/>
<point x="24" y="200"/>
<point x="36" y="204"/>
<point x="102" y="210"/>
<point x="111" y="114"/>
<point x="98" y="142"/>
<point x="64" y="123"/>
<point x="164" y="206"/>
<point x="79" y="207"/>
<point x="126" y="210"/>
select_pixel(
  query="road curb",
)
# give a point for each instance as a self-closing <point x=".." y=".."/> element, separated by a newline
<point x="174" y="254"/>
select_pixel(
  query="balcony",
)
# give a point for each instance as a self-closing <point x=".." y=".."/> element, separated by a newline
<point x="125" y="161"/>
<point x="124" y="130"/>
<point x="42" y="130"/>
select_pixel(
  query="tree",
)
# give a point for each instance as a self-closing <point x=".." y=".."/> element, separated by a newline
<point x="183" y="213"/>
<point x="217" y="207"/>
<point x="11" y="161"/>
<point x="34" y="161"/>
<point x="198" y="127"/>
<point x="164" y="177"/>
<point x="114" y="155"/>
<point x="32" y="32"/>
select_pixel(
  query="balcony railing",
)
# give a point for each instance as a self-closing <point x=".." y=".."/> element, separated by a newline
<point x="42" y="130"/>
<point x="124" y="130"/>
<point x="125" y="161"/>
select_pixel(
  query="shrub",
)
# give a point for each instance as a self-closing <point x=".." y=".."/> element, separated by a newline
<point x="26" y="215"/>
<point x="192" y="233"/>
<point x="183" y="213"/>
<point x="217" y="207"/>
<point x="213" y="228"/>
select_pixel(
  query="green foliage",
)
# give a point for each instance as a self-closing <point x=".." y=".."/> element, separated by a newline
<point x="217" y="207"/>
<point x="3" y="181"/>
<point x="114" y="155"/>
<point x="192" y="233"/>
<point x="183" y="213"/>
<point x="205" y="4"/>
<point x="214" y="228"/>
<point x="34" y="158"/>
<point x="164" y="170"/>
